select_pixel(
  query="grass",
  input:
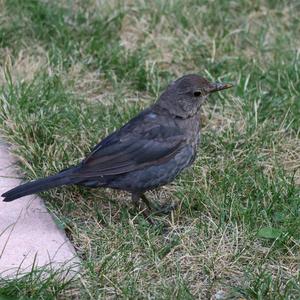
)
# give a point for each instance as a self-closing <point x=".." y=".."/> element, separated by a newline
<point x="73" y="72"/>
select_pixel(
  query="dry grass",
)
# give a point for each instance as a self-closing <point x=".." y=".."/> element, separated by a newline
<point x="93" y="66"/>
<point x="25" y="66"/>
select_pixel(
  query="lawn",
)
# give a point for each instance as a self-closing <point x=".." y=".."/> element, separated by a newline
<point x="73" y="71"/>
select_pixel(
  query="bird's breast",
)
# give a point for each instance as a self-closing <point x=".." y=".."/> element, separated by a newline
<point x="191" y="129"/>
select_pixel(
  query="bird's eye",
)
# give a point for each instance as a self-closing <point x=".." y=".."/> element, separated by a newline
<point x="197" y="94"/>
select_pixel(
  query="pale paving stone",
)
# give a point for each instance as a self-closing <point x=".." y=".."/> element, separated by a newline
<point x="27" y="231"/>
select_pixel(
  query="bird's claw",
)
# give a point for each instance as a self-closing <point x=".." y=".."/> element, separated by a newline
<point x="165" y="209"/>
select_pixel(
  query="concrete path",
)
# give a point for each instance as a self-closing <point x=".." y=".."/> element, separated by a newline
<point x="28" y="233"/>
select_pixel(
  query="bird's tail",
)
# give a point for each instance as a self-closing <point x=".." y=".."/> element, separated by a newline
<point x="39" y="185"/>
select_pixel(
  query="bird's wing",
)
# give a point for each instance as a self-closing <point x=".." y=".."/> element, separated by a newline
<point x="130" y="150"/>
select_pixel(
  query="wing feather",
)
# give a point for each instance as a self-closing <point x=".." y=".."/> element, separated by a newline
<point x="129" y="150"/>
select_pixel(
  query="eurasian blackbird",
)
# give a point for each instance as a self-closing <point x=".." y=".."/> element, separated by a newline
<point x="147" y="152"/>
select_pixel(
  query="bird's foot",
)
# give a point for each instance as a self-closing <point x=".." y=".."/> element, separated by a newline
<point x="144" y="211"/>
<point x="150" y="208"/>
<point x="164" y="209"/>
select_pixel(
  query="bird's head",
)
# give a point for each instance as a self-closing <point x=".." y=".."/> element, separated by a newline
<point x="184" y="96"/>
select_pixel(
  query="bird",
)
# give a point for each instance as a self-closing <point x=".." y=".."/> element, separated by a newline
<point x="149" y="151"/>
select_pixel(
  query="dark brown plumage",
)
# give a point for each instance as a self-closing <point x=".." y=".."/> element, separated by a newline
<point x="147" y="152"/>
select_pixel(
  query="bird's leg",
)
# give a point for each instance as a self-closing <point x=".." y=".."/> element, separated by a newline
<point x="135" y="197"/>
<point x="136" y="201"/>
<point x="146" y="201"/>
<point x="161" y="209"/>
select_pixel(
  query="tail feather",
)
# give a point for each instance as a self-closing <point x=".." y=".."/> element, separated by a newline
<point x="36" y="186"/>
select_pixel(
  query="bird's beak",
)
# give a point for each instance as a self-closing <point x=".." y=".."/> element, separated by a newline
<point x="218" y="86"/>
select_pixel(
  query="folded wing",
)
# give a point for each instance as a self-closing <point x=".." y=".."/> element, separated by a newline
<point x="126" y="151"/>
